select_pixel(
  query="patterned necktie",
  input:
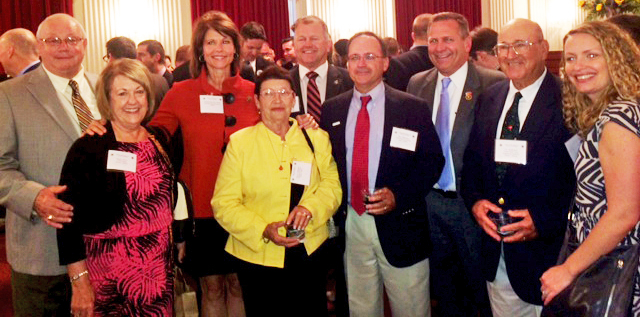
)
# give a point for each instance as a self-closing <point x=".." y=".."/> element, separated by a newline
<point x="82" y="111"/>
<point x="510" y="131"/>
<point x="360" y="159"/>
<point x="444" y="132"/>
<point x="313" y="97"/>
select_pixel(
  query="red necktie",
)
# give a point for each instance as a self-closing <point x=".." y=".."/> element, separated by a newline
<point x="313" y="97"/>
<point x="360" y="159"/>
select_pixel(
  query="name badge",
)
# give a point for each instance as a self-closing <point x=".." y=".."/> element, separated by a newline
<point x="511" y="151"/>
<point x="300" y="173"/>
<point x="404" y="139"/>
<point x="211" y="104"/>
<point x="573" y="146"/>
<point x="296" y="107"/>
<point x="121" y="161"/>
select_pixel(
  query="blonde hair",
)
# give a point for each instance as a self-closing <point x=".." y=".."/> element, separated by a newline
<point x="131" y="69"/>
<point x="623" y="61"/>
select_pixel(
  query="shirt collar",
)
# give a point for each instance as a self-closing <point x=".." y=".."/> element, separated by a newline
<point x="28" y="66"/>
<point x="61" y="83"/>
<point x="459" y="77"/>
<point x="377" y="93"/>
<point x="321" y="70"/>
<point x="529" y="93"/>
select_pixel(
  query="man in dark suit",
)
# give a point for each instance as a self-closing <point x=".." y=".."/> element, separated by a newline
<point x="254" y="37"/>
<point x="18" y="54"/>
<point x="413" y="61"/>
<point x="516" y="161"/>
<point x="38" y="124"/>
<point x="312" y="44"/>
<point x="151" y="54"/>
<point x="455" y="264"/>
<point x="384" y="143"/>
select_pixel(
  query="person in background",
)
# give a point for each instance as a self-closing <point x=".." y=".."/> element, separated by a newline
<point x="289" y="54"/>
<point x="452" y="89"/>
<point x="533" y="185"/>
<point x="167" y="63"/>
<point x="482" y="53"/>
<point x="254" y="37"/>
<point x="393" y="47"/>
<point x="601" y="96"/>
<point x="629" y="23"/>
<point x="151" y="54"/>
<point x="383" y="220"/>
<point x="258" y="201"/>
<point x="183" y="57"/>
<point x="18" y="54"/>
<point x="41" y="114"/>
<point x="267" y="52"/>
<point x="340" y="49"/>
<point x="109" y="247"/>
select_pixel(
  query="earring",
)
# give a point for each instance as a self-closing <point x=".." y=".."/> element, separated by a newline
<point x="236" y="55"/>
<point x="201" y="58"/>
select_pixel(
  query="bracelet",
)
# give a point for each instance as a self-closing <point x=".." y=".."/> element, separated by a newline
<point x="76" y="277"/>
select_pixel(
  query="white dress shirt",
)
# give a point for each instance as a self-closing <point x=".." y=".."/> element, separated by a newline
<point x="321" y="82"/>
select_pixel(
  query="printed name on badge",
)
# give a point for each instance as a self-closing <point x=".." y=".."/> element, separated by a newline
<point x="121" y="161"/>
<point x="511" y="151"/>
<point x="211" y="104"/>
<point x="300" y="173"/>
<point x="404" y="139"/>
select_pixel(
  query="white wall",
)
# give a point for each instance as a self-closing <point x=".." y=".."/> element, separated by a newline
<point x="168" y="21"/>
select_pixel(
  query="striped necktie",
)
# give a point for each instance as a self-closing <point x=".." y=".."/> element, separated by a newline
<point x="82" y="111"/>
<point x="313" y="97"/>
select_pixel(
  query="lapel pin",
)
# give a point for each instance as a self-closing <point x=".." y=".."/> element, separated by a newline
<point x="335" y="123"/>
<point x="468" y="95"/>
<point x="336" y="82"/>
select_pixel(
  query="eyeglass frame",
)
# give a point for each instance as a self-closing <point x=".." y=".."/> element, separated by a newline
<point x="525" y="44"/>
<point x="272" y="93"/>
<point x="57" y="42"/>
<point x="106" y="58"/>
<point x="368" y="57"/>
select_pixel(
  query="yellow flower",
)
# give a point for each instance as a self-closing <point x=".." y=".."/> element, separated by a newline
<point x="599" y="7"/>
<point x="581" y="3"/>
<point x="619" y="2"/>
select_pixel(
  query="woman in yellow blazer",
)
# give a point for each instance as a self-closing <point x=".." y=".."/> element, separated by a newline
<point x="276" y="177"/>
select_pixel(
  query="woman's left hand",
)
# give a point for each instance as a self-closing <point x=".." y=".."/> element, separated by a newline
<point x="299" y="217"/>
<point x="554" y="280"/>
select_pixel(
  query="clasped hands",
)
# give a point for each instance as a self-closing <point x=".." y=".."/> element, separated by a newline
<point x="523" y="230"/>
<point x="299" y="218"/>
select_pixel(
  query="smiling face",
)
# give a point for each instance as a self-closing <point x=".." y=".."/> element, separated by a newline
<point x="585" y="65"/>
<point x="218" y="51"/>
<point x="289" y="52"/>
<point x="523" y="69"/>
<point x="366" y="75"/>
<point x="275" y="108"/>
<point x="64" y="60"/>
<point x="128" y="102"/>
<point x="448" y="50"/>
<point x="311" y="45"/>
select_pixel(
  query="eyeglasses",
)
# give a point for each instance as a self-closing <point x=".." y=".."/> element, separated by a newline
<point x="106" y="58"/>
<point x="519" y="47"/>
<point x="271" y="93"/>
<point x="369" y="57"/>
<point x="56" y="41"/>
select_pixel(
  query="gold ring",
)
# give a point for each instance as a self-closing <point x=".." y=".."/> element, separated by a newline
<point x="50" y="217"/>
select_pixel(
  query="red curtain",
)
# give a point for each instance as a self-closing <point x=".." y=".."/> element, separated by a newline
<point x="407" y="10"/>
<point x="29" y="13"/>
<point x="272" y="14"/>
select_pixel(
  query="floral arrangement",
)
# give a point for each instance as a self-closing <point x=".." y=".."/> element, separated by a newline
<point x="598" y="9"/>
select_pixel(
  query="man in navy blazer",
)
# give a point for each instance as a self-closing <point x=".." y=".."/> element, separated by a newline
<point x="537" y="181"/>
<point x="387" y="240"/>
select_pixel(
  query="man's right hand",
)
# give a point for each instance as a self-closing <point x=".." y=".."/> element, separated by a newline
<point x="96" y="127"/>
<point x="480" y="210"/>
<point x="52" y="210"/>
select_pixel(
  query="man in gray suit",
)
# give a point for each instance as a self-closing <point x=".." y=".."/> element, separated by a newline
<point x="452" y="88"/>
<point x="41" y="114"/>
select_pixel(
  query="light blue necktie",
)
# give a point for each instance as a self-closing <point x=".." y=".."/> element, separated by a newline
<point x="444" y="132"/>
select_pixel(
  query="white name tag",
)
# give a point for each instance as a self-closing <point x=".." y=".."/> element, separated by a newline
<point x="296" y="107"/>
<point x="121" y="161"/>
<point x="211" y="104"/>
<point x="300" y="173"/>
<point x="511" y="151"/>
<point x="404" y="139"/>
<point x="573" y="146"/>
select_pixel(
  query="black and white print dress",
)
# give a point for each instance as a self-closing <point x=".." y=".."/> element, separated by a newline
<point x="591" y="198"/>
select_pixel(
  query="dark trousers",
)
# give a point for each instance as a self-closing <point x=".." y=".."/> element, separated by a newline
<point x="40" y="295"/>
<point x="298" y="289"/>
<point x="457" y="283"/>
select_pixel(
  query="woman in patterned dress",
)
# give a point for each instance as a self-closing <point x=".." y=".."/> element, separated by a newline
<point x="601" y="95"/>
<point x="118" y="246"/>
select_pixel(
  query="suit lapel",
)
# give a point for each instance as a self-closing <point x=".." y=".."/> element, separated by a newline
<point x="43" y="91"/>
<point x="430" y="87"/>
<point x="470" y="93"/>
<point x="541" y="109"/>
<point x="342" y="111"/>
<point x="334" y="82"/>
<point x="390" y="120"/>
<point x="295" y="73"/>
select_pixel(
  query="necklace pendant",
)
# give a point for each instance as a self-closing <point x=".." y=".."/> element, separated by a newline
<point x="280" y="168"/>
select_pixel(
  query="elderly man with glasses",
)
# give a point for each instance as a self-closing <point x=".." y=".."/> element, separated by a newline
<point x="41" y="114"/>
<point x="517" y="177"/>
